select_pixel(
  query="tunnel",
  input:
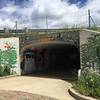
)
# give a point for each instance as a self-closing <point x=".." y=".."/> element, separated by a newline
<point x="54" y="60"/>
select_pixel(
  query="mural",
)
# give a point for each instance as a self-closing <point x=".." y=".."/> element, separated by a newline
<point x="9" y="56"/>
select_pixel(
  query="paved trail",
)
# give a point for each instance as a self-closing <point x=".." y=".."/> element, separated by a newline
<point x="44" y="86"/>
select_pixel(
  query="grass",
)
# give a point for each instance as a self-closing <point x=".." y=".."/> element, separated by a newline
<point x="95" y="28"/>
<point x="4" y="71"/>
<point x="89" y="85"/>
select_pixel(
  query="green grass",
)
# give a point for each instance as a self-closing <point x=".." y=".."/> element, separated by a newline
<point x="95" y="28"/>
<point x="88" y="85"/>
<point x="4" y="71"/>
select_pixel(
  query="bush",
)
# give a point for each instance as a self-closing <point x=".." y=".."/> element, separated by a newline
<point x="95" y="28"/>
<point x="89" y="84"/>
<point x="4" y="71"/>
<point x="90" y="53"/>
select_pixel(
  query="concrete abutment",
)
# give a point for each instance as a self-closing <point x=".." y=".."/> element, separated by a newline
<point x="56" y="49"/>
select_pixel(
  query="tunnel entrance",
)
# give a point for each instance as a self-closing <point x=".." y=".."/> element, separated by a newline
<point x="59" y="61"/>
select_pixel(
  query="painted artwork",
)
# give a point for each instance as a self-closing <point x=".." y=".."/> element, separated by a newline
<point x="9" y="56"/>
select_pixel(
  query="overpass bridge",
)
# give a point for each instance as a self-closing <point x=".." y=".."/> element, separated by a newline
<point x="43" y="36"/>
<point x="49" y="50"/>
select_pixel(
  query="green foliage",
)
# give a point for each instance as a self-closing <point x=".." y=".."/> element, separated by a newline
<point x="89" y="84"/>
<point x="95" y="28"/>
<point x="90" y="53"/>
<point x="4" y="71"/>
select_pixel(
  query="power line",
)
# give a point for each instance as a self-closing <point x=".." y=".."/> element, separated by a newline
<point x="93" y="21"/>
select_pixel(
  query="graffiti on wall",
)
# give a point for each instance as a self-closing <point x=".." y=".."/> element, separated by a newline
<point x="9" y="56"/>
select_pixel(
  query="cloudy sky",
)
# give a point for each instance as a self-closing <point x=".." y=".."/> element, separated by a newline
<point x="59" y="13"/>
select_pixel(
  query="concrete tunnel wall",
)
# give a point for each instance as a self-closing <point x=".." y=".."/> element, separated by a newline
<point x="83" y="36"/>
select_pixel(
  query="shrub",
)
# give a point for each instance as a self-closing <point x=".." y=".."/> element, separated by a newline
<point x="90" y="52"/>
<point x="89" y="84"/>
<point x="95" y="28"/>
<point x="4" y="71"/>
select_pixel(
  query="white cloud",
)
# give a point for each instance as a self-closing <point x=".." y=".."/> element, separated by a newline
<point x="59" y="14"/>
<point x="9" y="9"/>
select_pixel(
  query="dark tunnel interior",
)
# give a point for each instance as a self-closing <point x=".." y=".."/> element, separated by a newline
<point x="60" y="59"/>
<point x="64" y="59"/>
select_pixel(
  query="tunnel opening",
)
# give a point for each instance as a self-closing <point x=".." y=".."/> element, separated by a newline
<point x="56" y="61"/>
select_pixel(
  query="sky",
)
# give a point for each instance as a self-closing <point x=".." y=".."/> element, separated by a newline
<point x="57" y="13"/>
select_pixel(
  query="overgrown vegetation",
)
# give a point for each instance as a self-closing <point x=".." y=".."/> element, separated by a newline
<point x="90" y="53"/>
<point x="95" y="28"/>
<point x="89" y="82"/>
<point x="4" y="71"/>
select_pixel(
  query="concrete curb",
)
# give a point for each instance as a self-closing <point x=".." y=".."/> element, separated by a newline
<point x="78" y="96"/>
<point x="9" y="76"/>
<point x="93" y="31"/>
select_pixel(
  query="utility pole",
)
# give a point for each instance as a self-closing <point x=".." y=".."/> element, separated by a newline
<point x="16" y="26"/>
<point x="46" y="22"/>
<point x="89" y="19"/>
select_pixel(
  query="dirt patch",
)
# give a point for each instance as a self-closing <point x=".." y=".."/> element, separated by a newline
<point x="17" y="95"/>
